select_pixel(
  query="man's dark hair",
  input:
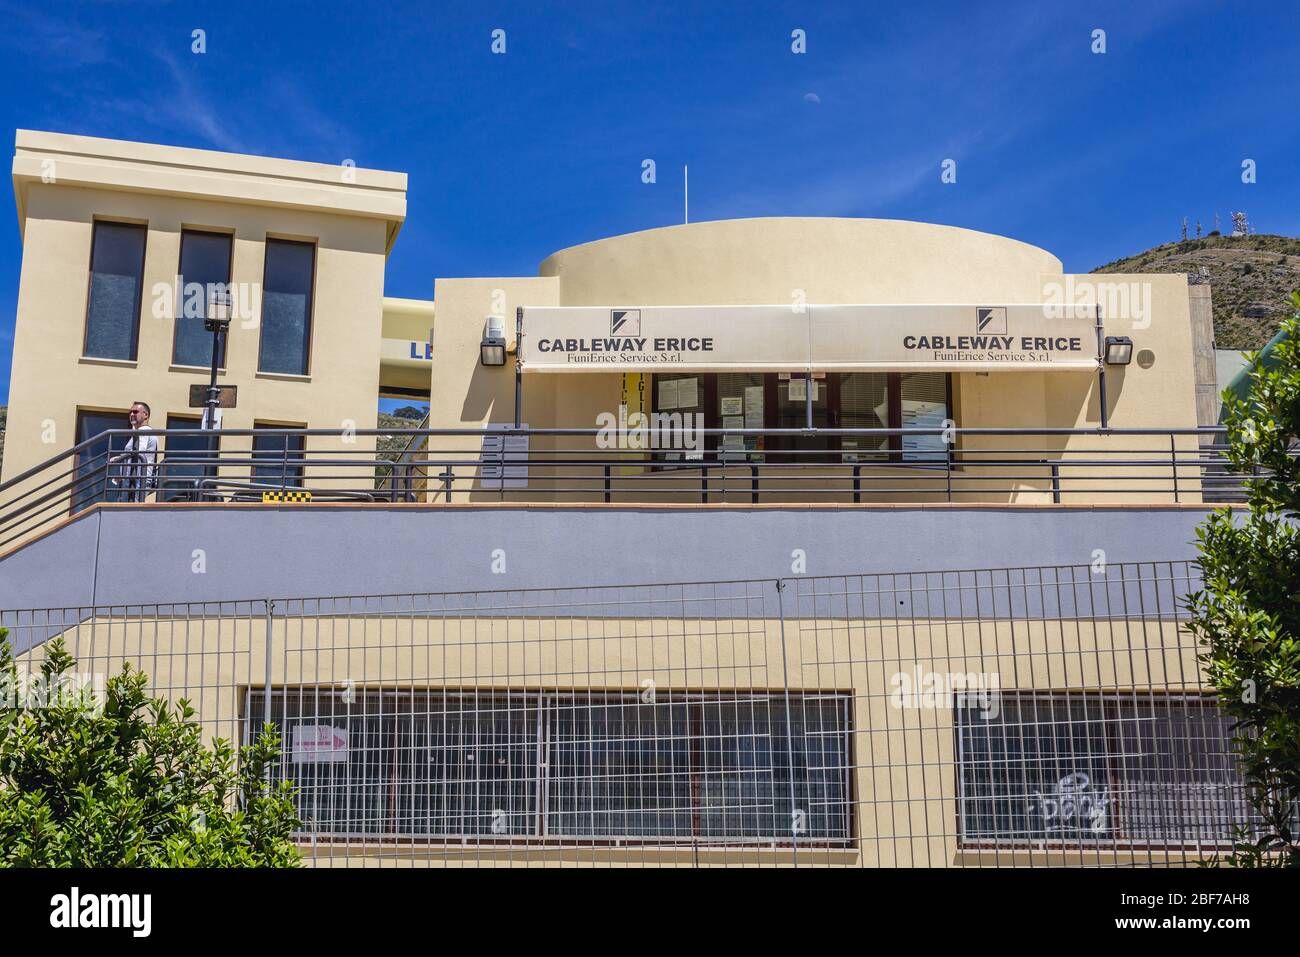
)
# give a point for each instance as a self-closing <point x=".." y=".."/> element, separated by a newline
<point x="147" y="410"/>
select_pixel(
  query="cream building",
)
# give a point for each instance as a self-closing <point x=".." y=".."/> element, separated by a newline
<point x="109" y="226"/>
<point x="711" y="724"/>
<point x="121" y="241"/>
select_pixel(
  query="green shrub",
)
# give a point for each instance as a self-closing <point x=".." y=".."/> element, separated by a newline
<point x="127" y="781"/>
<point x="1247" y="615"/>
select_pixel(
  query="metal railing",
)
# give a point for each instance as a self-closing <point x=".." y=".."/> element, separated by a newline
<point x="440" y="466"/>
<point x="1040" y="716"/>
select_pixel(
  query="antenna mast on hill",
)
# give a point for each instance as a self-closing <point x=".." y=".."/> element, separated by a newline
<point x="1240" y="224"/>
<point x="1184" y="229"/>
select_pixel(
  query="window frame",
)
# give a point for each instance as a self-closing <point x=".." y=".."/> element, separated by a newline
<point x="230" y="272"/>
<point x="163" y="492"/>
<point x="296" y="471"/>
<point x="139" y="294"/>
<point x="79" y="503"/>
<point x="538" y="707"/>
<point x="779" y="452"/>
<point x="310" y="338"/>
<point x="1111" y="702"/>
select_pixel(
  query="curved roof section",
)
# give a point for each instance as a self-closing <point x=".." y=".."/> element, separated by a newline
<point x="828" y="259"/>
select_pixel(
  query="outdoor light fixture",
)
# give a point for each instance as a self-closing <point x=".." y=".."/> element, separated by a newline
<point x="492" y="350"/>
<point x="1119" y="350"/>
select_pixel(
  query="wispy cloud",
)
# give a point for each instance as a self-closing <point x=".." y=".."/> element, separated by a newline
<point x="279" y="117"/>
<point x="57" y="43"/>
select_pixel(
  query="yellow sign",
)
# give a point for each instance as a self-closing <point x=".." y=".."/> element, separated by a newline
<point x="287" y="495"/>
<point x="634" y="400"/>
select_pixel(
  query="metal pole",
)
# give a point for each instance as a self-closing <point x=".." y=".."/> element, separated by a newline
<point x="1101" y="370"/>
<point x="519" y="367"/>
<point x="789" y="728"/>
<point x="266" y="690"/>
<point x="213" y="392"/>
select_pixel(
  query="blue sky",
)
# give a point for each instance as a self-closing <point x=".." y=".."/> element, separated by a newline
<point x="512" y="157"/>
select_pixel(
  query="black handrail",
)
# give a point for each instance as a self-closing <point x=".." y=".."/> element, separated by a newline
<point x="77" y="476"/>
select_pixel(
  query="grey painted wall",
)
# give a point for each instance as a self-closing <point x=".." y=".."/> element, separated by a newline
<point x="129" y="556"/>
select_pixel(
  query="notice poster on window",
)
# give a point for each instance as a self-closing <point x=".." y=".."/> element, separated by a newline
<point x="754" y="407"/>
<point x="667" y="394"/>
<point x="732" y="405"/>
<point x="923" y="415"/>
<point x="799" y="390"/>
<point x="688" y="393"/>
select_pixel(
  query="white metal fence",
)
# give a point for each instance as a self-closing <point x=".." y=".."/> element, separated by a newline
<point x="1031" y="716"/>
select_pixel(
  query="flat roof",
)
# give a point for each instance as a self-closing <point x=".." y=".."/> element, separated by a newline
<point x="93" y="162"/>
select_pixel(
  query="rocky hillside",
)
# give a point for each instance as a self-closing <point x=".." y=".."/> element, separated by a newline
<point x="407" y="417"/>
<point x="1252" y="278"/>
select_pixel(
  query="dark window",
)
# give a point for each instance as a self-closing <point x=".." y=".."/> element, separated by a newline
<point x="720" y="767"/>
<point x="283" y="458"/>
<point x="182" y="465"/>
<point x="1097" y="769"/>
<point x="680" y="403"/>
<point x="116" y="282"/>
<point x="92" y="476"/>
<point x="205" y="262"/>
<point x="841" y="400"/>
<point x="286" y="307"/>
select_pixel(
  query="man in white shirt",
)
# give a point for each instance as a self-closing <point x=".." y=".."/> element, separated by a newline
<point x="136" y="477"/>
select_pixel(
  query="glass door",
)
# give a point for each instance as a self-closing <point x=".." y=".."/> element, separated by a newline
<point x="789" y="403"/>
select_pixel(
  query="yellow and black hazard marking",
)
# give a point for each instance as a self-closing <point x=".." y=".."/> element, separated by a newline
<point x="287" y="495"/>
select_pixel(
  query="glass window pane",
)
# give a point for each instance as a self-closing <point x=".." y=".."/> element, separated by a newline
<point x="716" y="768"/>
<point x="754" y="765"/>
<point x="92" y="475"/>
<point x="740" y="406"/>
<point x="283" y="457"/>
<point x="468" y="764"/>
<point x="674" y="396"/>
<point x="1176" y="775"/>
<point x="1086" y="769"/>
<point x="925" y="406"/>
<point x="338" y="751"/>
<point x="205" y="260"/>
<point x="179" y="476"/>
<point x="864" y="404"/>
<point x="286" y="307"/>
<point x="411" y="764"/>
<point x="619" y="767"/>
<point x="116" y="278"/>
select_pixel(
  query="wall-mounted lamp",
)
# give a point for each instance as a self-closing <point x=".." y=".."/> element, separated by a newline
<point x="492" y="350"/>
<point x="1119" y="350"/>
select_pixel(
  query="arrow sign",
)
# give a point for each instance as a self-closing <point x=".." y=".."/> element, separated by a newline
<point x="320" y="743"/>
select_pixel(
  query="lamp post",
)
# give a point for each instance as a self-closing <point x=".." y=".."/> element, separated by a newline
<point x="217" y="323"/>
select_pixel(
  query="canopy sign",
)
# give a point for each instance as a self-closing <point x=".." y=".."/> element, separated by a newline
<point x="818" y="338"/>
